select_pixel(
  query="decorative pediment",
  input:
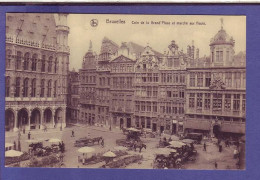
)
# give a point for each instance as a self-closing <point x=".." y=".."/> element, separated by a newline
<point x="122" y="59"/>
<point x="217" y="83"/>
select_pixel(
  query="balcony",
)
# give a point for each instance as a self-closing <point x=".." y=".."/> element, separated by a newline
<point x="29" y="43"/>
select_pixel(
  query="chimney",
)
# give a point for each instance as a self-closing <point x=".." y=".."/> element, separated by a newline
<point x="192" y="50"/>
<point x="197" y="53"/>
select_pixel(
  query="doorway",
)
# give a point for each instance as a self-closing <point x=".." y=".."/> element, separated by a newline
<point x="128" y="122"/>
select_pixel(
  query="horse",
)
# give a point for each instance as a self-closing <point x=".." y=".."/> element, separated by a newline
<point x="97" y="139"/>
<point x="140" y="146"/>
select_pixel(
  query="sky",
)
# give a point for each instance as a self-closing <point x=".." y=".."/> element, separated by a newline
<point x="158" y="36"/>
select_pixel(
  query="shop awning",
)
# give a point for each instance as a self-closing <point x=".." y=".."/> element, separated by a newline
<point x="195" y="124"/>
<point x="233" y="128"/>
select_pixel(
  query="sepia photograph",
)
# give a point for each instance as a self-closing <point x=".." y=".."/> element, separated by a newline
<point x="125" y="91"/>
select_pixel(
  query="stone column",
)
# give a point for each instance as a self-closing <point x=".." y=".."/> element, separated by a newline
<point x="42" y="119"/>
<point x="15" y="120"/>
<point x="29" y="120"/>
<point x="53" y="119"/>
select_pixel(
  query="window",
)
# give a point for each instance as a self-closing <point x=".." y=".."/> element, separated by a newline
<point x="219" y="56"/>
<point x="50" y="63"/>
<point x="208" y="79"/>
<point x="174" y="109"/>
<point x="155" y="91"/>
<point x="56" y="66"/>
<point x="49" y="89"/>
<point x="154" y="106"/>
<point x="244" y="80"/>
<point x="162" y="108"/>
<point x="34" y="62"/>
<point x="200" y="79"/>
<point x="236" y="102"/>
<point x="142" y="106"/>
<point x="7" y="86"/>
<point x="43" y="63"/>
<point x="217" y="101"/>
<point x="244" y="103"/>
<point x="17" y="87"/>
<point x="8" y="59"/>
<point x="227" y="101"/>
<point x="227" y="54"/>
<point x="25" y="86"/>
<point x="182" y="78"/>
<point x="169" y="78"/>
<point x="207" y="101"/>
<point x="149" y="107"/>
<point x="155" y="77"/>
<point x="192" y="100"/>
<point x="237" y="80"/>
<point x="42" y="88"/>
<point x="18" y="60"/>
<point x="199" y="100"/>
<point x="228" y="79"/>
<point x="149" y="91"/>
<point x="181" y="94"/>
<point x="26" y="61"/>
<point x="169" y="94"/>
<point x="150" y="77"/>
<point x="168" y="108"/>
<point x="192" y="79"/>
<point x="33" y="94"/>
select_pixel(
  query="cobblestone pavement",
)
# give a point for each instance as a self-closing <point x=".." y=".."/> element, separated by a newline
<point x="204" y="160"/>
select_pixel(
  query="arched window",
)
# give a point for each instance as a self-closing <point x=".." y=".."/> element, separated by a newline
<point x="49" y="89"/>
<point x="55" y="89"/>
<point x="8" y="59"/>
<point x="18" y="60"/>
<point x="7" y="86"/>
<point x="26" y="61"/>
<point x="42" y="87"/>
<point x="33" y="88"/>
<point x="56" y="65"/>
<point x="49" y="63"/>
<point x="34" y="62"/>
<point x="43" y="63"/>
<point x="25" y="87"/>
<point x="17" y="87"/>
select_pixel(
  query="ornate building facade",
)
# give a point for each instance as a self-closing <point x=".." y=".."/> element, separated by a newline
<point x="216" y="89"/>
<point x="37" y="64"/>
<point x="174" y="92"/>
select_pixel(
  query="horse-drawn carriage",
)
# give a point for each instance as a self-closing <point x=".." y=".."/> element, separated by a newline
<point x="37" y="149"/>
<point x="87" y="141"/>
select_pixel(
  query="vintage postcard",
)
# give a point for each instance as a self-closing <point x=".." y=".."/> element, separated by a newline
<point x="125" y="91"/>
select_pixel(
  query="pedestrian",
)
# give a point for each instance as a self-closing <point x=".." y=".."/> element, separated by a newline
<point x="23" y="130"/>
<point x="72" y="133"/>
<point x="235" y="153"/>
<point x="102" y="143"/>
<point x="220" y="148"/>
<point x="61" y="157"/>
<point x="204" y="147"/>
<point x="19" y="146"/>
<point x="60" y="146"/>
<point x="63" y="147"/>
<point x="170" y="139"/>
<point x="14" y="145"/>
<point x="29" y="135"/>
<point x="19" y="135"/>
<point x="216" y="165"/>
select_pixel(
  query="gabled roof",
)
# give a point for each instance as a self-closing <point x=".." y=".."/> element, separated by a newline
<point x="138" y="49"/>
<point x="122" y="59"/>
